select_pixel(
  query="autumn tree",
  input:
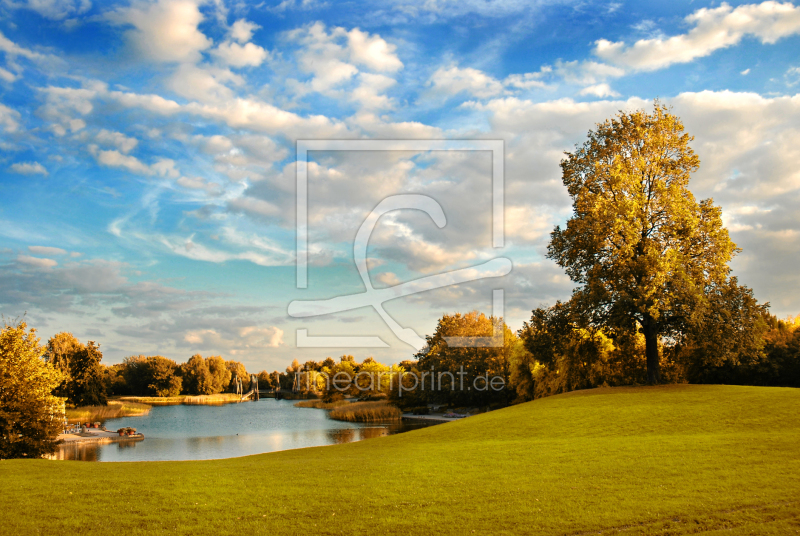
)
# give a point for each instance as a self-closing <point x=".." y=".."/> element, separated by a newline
<point x="197" y="378"/>
<point x="646" y="254"/>
<point x="238" y="369"/>
<point x="220" y="375"/>
<point x="86" y="386"/>
<point x="462" y="375"/>
<point x="60" y="350"/>
<point x="30" y="416"/>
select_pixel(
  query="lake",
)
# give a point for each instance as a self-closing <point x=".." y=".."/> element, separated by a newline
<point x="226" y="431"/>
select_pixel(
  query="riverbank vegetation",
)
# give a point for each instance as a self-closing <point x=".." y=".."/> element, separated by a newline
<point x="113" y="410"/>
<point x="187" y="400"/>
<point x="321" y="404"/>
<point x="674" y="459"/>
<point x="366" y="412"/>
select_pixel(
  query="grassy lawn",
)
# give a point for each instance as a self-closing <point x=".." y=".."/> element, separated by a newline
<point x="669" y="460"/>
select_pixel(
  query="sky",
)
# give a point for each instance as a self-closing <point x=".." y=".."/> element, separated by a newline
<point x="148" y="157"/>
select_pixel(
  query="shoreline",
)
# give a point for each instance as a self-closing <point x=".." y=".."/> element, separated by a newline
<point x="100" y="436"/>
<point x="438" y="419"/>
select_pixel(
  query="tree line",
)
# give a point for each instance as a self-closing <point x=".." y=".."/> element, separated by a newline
<point x="86" y="381"/>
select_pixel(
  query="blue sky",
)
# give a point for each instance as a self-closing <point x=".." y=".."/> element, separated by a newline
<point x="147" y="154"/>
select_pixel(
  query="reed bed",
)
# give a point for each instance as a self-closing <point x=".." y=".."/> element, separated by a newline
<point x="201" y="400"/>
<point x="319" y="404"/>
<point x="366" y="412"/>
<point x="114" y="410"/>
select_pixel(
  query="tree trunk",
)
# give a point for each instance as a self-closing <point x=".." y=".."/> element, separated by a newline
<point x="651" y="351"/>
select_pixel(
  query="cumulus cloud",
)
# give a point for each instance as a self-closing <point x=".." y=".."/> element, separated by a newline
<point x="119" y="140"/>
<point x="339" y="57"/>
<point x="238" y="55"/>
<point x="244" y="339"/>
<point x="29" y="168"/>
<point x="453" y="80"/>
<point x="166" y="30"/>
<point x="713" y="29"/>
<point x="599" y="90"/>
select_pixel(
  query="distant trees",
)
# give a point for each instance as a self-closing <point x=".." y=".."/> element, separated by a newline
<point x="648" y="257"/>
<point x="197" y="378"/>
<point x="238" y="370"/>
<point x="30" y="416"/>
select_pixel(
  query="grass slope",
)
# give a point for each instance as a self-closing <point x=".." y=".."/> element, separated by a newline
<point x="670" y="460"/>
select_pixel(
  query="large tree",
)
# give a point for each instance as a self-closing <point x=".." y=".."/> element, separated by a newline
<point x="61" y="348"/>
<point x="646" y="254"/>
<point x="30" y="416"/>
<point x="85" y="387"/>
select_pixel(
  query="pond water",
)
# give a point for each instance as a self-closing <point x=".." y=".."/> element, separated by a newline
<point x="227" y="431"/>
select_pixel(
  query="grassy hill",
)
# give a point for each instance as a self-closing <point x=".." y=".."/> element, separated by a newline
<point x="669" y="460"/>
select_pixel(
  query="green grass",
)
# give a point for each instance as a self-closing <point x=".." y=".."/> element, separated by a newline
<point x="189" y="400"/>
<point x="668" y="460"/>
<point x="114" y="409"/>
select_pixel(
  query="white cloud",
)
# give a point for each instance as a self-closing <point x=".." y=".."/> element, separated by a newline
<point x="332" y="59"/>
<point x="14" y="50"/>
<point x="29" y="168"/>
<point x="36" y="261"/>
<point x="166" y="30"/>
<point x="372" y="51"/>
<point x="243" y="341"/>
<point x="64" y="106"/>
<point x="204" y="84"/>
<point x="599" y="90"/>
<point x="585" y="72"/>
<point x="199" y="183"/>
<point x="46" y="250"/>
<point x="714" y="28"/>
<point x="9" y="119"/>
<point x="236" y="55"/>
<point x="114" y="158"/>
<point x="7" y="75"/>
<point x="54" y="9"/>
<point x="258" y="207"/>
<point x="116" y="139"/>
<point x="453" y="80"/>
<point x="242" y="30"/>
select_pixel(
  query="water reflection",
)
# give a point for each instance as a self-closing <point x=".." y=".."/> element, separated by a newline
<point x="209" y="432"/>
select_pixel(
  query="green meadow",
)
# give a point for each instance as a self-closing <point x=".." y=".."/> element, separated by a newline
<point x="676" y="459"/>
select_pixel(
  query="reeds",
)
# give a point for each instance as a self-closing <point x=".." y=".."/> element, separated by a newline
<point x="201" y="400"/>
<point x="319" y="404"/>
<point x="114" y="410"/>
<point x="366" y="412"/>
